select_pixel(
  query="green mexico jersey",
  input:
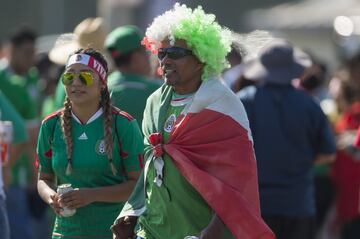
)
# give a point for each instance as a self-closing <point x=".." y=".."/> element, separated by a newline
<point x="19" y="90"/>
<point x="14" y="88"/>
<point x="91" y="167"/>
<point x="175" y="209"/>
<point x="9" y="113"/>
<point x="129" y="92"/>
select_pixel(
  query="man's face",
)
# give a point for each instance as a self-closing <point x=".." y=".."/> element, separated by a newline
<point x="23" y="56"/>
<point x="182" y="72"/>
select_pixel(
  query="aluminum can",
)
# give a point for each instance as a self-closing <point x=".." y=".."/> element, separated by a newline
<point x="64" y="188"/>
<point x="6" y="138"/>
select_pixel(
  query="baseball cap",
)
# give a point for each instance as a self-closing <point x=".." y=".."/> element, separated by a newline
<point x="123" y="40"/>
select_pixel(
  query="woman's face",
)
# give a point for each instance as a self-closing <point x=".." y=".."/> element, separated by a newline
<point x="82" y="85"/>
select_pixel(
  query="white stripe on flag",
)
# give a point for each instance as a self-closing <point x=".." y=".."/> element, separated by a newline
<point x="213" y="95"/>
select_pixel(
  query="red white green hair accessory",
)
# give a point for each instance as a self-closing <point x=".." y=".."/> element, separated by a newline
<point x="209" y="42"/>
<point x="89" y="61"/>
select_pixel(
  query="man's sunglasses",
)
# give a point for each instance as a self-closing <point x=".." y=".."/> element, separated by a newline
<point x="173" y="53"/>
<point x="85" y="77"/>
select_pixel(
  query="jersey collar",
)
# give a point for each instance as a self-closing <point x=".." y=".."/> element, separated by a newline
<point x="92" y="118"/>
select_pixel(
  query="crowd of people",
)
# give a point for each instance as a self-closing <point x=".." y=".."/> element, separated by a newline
<point x="181" y="132"/>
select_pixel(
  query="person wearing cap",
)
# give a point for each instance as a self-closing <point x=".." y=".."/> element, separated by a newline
<point x="129" y="84"/>
<point x="200" y="174"/>
<point x="93" y="146"/>
<point x="19" y="84"/>
<point x="291" y="134"/>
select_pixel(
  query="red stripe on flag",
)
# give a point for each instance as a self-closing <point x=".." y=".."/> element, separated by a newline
<point x="213" y="152"/>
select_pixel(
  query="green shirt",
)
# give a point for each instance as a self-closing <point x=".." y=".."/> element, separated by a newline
<point x="91" y="168"/>
<point x="8" y="113"/>
<point x="14" y="88"/>
<point x="129" y="92"/>
<point x="175" y="209"/>
<point x="21" y="92"/>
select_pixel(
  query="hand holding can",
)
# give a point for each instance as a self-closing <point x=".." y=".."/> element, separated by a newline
<point x="64" y="188"/>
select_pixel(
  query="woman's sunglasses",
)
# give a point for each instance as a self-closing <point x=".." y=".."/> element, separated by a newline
<point x="85" y="77"/>
<point x="173" y="53"/>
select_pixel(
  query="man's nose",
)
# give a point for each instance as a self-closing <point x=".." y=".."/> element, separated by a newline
<point x="165" y="60"/>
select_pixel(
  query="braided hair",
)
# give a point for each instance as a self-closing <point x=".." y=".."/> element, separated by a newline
<point x="65" y="117"/>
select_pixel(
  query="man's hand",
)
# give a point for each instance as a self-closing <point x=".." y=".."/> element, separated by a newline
<point x="123" y="228"/>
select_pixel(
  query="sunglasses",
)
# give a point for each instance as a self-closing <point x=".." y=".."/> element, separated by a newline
<point x="85" y="77"/>
<point x="173" y="53"/>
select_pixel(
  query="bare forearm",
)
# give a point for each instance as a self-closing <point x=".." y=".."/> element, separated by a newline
<point x="324" y="159"/>
<point x="45" y="189"/>
<point x="115" y="193"/>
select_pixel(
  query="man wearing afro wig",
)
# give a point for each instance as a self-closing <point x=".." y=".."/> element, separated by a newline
<point x="199" y="174"/>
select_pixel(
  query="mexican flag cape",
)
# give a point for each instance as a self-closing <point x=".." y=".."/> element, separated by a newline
<point x="211" y="145"/>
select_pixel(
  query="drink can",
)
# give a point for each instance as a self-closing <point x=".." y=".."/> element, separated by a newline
<point x="6" y="138"/>
<point x="64" y="188"/>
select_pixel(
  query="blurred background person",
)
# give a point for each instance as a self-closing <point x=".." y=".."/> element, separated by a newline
<point x="291" y="134"/>
<point x="19" y="83"/>
<point x="235" y="71"/>
<point x="2" y="51"/>
<point x="19" y="138"/>
<point x="346" y="169"/>
<point x="130" y="83"/>
<point x="314" y="81"/>
<point x="49" y="75"/>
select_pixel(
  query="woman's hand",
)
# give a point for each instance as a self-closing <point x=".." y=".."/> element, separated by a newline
<point x="79" y="197"/>
<point x="54" y="203"/>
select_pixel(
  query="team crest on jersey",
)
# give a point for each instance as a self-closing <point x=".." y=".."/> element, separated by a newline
<point x="169" y="123"/>
<point x="100" y="147"/>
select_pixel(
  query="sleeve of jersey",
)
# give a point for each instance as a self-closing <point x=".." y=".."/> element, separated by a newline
<point x="44" y="151"/>
<point x="131" y="145"/>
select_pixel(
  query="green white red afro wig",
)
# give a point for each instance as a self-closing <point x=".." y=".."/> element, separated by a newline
<point x="209" y="42"/>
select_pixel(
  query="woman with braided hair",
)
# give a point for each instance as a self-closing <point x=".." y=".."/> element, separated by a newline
<point x="91" y="145"/>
